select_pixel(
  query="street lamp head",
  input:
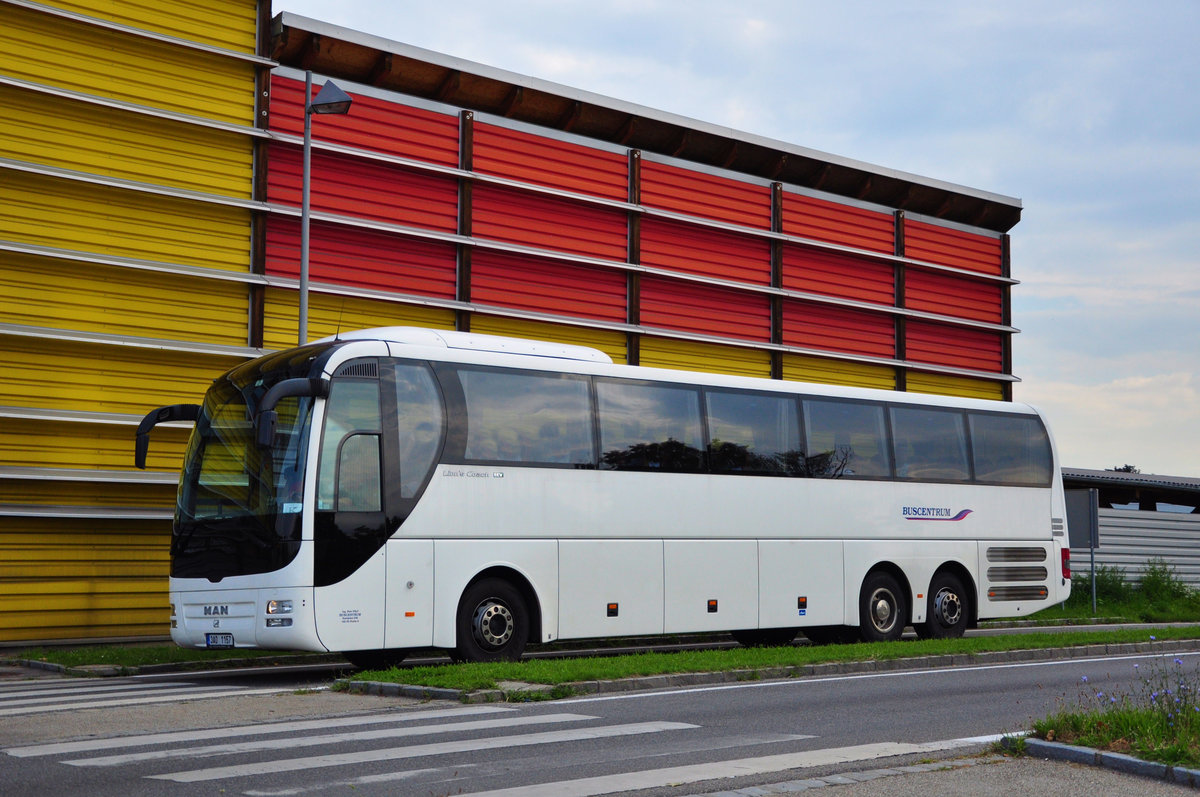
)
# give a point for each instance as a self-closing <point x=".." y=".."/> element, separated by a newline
<point x="330" y="99"/>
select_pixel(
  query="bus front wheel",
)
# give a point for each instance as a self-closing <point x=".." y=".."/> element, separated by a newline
<point x="948" y="610"/>
<point x="493" y="622"/>
<point x="883" y="611"/>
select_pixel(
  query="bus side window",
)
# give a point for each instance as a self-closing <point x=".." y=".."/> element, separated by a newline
<point x="1010" y="449"/>
<point x="419" y="424"/>
<point x="645" y="426"/>
<point x="752" y="433"/>
<point x="351" y="410"/>
<point x="931" y="445"/>
<point x="847" y="437"/>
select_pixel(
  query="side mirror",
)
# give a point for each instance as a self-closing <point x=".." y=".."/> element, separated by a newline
<point x="175" y="412"/>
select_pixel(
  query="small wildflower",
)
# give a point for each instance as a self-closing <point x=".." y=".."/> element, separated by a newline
<point x="1084" y="679"/>
<point x="1153" y="637"/>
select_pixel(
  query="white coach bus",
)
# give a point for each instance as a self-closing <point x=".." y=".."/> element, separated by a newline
<point x="402" y="488"/>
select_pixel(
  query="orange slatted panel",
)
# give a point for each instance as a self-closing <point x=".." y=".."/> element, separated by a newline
<point x="711" y="197"/>
<point x="547" y="286"/>
<point x="363" y="188"/>
<point x="701" y="250"/>
<point x="504" y="214"/>
<point x="836" y="223"/>
<point x="951" y="295"/>
<point x="841" y="329"/>
<point x="363" y="258"/>
<point x="836" y="274"/>
<point x="957" y="347"/>
<point x="705" y="309"/>
<point x="372" y="123"/>
<point x="948" y="247"/>
<point x="547" y="161"/>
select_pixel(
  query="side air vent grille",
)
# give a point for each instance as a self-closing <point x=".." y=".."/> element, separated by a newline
<point x="1016" y="554"/>
<point x="363" y="368"/>
<point x="1017" y="574"/>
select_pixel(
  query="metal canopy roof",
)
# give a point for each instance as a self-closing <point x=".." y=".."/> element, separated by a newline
<point x="338" y="52"/>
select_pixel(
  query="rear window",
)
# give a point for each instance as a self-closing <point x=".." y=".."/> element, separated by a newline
<point x="1010" y="449"/>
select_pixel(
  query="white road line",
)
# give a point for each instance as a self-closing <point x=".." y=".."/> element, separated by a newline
<point x="86" y="686"/>
<point x="387" y="777"/>
<point x="462" y="746"/>
<point x="108" y="694"/>
<point x="145" y="740"/>
<point x="10" y="712"/>
<point x="695" y="773"/>
<point x="330" y="738"/>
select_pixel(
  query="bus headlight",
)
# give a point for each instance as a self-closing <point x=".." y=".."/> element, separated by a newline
<point x="279" y="607"/>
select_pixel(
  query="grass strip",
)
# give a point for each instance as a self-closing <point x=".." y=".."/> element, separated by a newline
<point x="551" y="672"/>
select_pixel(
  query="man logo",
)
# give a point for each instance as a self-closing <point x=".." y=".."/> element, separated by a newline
<point x="216" y="611"/>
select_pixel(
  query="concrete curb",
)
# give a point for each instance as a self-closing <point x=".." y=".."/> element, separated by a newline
<point x="524" y="692"/>
<point x="1115" y="761"/>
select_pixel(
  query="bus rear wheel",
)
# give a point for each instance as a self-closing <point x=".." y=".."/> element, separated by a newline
<point x="882" y="609"/>
<point x="948" y="611"/>
<point x="765" y="637"/>
<point x="492" y="623"/>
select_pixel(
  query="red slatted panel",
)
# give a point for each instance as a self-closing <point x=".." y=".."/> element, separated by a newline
<point x="948" y="294"/>
<point x="365" y="189"/>
<point x="836" y="274"/>
<point x="504" y="214"/>
<point x="948" y="247"/>
<point x="372" y="123"/>
<point x="364" y="258"/>
<point x="711" y="197"/>
<point x="957" y="347"/>
<point x="842" y="329"/>
<point x="705" y="251"/>
<point x="705" y="309"/>
<point x="546" y="286"/>
<point x="836" y="223"/>
<point x="546" y="161"/>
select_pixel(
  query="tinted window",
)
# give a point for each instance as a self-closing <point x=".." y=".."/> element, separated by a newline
<point x="649" y="426"/>
<point x="1010" y="449"/>
<point x="419" y="423"/>
<point x="752" y="432"/>
<point x="846" y="439"/>
<point x="351" y="412"/>
<point x="527" y="417"/>
<point x="930" y="444"/>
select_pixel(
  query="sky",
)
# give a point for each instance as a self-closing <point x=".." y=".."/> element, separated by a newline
<point x="1086" y="110"/>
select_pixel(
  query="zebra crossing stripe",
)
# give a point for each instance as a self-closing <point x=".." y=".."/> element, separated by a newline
<point x="133" y="701"/>
<point x="148" y="739"/>
<point x="417" y="751"/>
<point x="324" y="739"/>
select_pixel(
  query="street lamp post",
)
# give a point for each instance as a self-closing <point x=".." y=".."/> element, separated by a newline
<point x="330" y="99"/>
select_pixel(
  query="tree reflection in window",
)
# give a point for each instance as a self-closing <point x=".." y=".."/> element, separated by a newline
<point x="850" y="434"/>
<point x="646" y="426"/>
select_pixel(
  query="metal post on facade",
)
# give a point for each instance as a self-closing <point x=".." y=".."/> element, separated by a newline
<point x="330" y="99"/>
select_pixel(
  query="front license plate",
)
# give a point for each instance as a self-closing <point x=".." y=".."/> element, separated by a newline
<point x="218" y="640"/>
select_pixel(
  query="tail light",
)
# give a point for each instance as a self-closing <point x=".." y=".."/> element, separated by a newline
<point x="1066" y="563"/>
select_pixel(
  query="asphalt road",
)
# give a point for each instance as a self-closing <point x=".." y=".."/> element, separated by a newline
<point x="799" y="732"/>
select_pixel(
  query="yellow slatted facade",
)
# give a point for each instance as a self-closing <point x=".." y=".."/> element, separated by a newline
<point x="126" y="218"/>
<point x="838" y="372"/>
<point x="611" y="343"/>
<point x="120" y="301"/>
<point x="947" y="385"/>
<point x="689" y="355"/>
<point x="329" y="313"/>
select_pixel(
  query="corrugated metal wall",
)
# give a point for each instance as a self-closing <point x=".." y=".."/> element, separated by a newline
<point x="1128" y="539"/>
<point x="152" y="167"/>
<point x="491" y="218"/>
<point x="126" y="226"/>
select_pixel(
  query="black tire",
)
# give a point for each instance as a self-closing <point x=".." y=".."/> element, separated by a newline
<point x="765" y="637"/>
<point x="375" y="659"/>
<point x="832" y="634"/>
<point x="493" y="622"/>
<point x="949" y="608"/>
<point x="882" y="609"/>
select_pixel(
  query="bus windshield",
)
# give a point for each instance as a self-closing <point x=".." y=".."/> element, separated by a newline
<point x="239" y="505"/>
